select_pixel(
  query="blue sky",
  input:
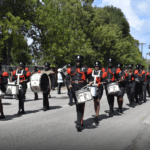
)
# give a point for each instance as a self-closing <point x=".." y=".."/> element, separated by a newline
<point x="137" y="13"/>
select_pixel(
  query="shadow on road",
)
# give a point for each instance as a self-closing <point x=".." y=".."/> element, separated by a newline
<point x="11" y="117"/>
<point x="66" y="97"/>
<point x="55" y="107"/>
<point x="116" y="112"/>
<point x="6" y="103"/>
<point x="28" y="100"/>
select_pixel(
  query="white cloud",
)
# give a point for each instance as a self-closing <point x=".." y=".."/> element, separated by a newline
<point x="125" y="6"/>
<point x="142" y="6"/>
<point x="137" y="13"/>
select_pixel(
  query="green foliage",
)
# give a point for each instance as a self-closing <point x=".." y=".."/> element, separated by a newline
<point x="60" y="29"/>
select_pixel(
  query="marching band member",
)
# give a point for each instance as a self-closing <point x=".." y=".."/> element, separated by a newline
<point x="27" y="70"/>
<point x="125" y="68"/>
<point x="120" y="76"/>
<point x="139" y="82"/>
<point x="24" y="79"/>
<point x="148" y="85"/>
<point x="52" y="76"/>
<point x="78" y="75"/>
<point x="45" y="95"/>
<point x="3" y="82"/>
<point x="145" y="82"/>
<point x="69" y="65"/>
<point x="35" y="70"/>
<point x="110" y="75"/>
<point x="130" y="85"/>
<point x="96" y="75"/>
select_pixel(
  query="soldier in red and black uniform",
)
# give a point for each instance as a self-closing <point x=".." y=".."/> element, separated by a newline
<point x="139" y="82"/>
<point x="69" y="65"/>
<point x="24" y="79"/>
<point x="95" y="73"/>
<point x="79" y="74"/>
<point x="130" y="85"/>
<point x="121" y="76"/>
<point x="3" y="82"/>
<point x="110" y="76"/>
<point x="145" y="83"/>
<point x="27" y="70"/>
<point x="148" y="85"/>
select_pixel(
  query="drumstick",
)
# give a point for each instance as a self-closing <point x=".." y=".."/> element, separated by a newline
<point x="86" y="86"/>
<point x="92" y="82"/>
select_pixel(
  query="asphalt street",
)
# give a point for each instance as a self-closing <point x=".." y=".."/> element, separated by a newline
<point x="55" y="128"/>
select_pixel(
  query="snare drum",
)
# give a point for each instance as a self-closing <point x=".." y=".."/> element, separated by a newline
<point x="93" y="90"/>
<point x="113" y="88"/>
<point x="39" y="82"/>
<point x="83" y="95"/>
<point x="12" y="89"/>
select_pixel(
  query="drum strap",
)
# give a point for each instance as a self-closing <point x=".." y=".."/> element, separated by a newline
<point x="96" y="76"/>
<point x="111" y="73"/>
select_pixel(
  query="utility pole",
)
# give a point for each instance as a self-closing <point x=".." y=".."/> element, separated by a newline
<point x="146" y="57"/>
<point x="142" y="50"/>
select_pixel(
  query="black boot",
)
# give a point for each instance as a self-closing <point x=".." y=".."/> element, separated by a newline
<point x="2" y="117"/>
<point x="133" y="104"/>
<point x="79" y="128"/>
<point x="96" y="120"/>
<point x="44" y="108"/>
<point x="111" y="113"/>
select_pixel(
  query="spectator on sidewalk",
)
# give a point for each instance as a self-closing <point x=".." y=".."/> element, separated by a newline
<point x="59" y="80"/>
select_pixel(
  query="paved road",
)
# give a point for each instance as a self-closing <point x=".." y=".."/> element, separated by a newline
<point x="55" y="128"/>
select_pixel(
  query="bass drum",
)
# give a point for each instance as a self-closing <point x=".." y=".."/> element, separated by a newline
<point x="39" y="82"/>
<point x="12" y="89"/>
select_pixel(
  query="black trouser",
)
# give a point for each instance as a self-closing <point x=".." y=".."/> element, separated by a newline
<point x="138" y="92"/>
<point x="59" y="87"/>
<point x="45" y="100"/>
<point x="69" y="93"/>
<point x="144" y="90"/>
<point x="110" y="99"/>
<point x="21" y="97"/>
<point x="79" y="109"/>
<point x="36" y="95"/>
<point x="130" y="93"/>
<point x="148" y="89"/>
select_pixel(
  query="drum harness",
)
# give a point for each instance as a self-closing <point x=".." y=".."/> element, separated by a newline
<point x="18" y="78"/>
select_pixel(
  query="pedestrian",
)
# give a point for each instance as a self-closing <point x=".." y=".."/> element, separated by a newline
<point x="35" y="70"/>
<point x="78" y="75"/>
<point x="97" y="91"/>
<point x="139" y="83"/>
<point x="24" y="78"/>
<point x="69" y="65"/>
<point x="130" y="85"/>
<point x="120" y="76"/>
<point x="59" y="80"/>
<point x="3" y="82"/>
<point x="45" y="95"/>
